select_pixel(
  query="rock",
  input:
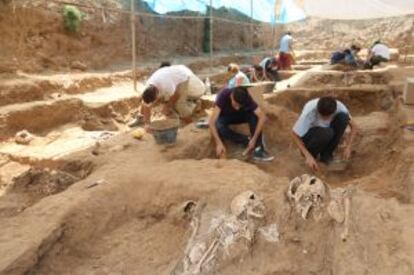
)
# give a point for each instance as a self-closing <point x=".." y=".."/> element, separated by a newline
<point x="77" y="65"/>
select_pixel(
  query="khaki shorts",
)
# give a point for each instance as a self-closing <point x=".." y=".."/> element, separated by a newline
<point x="189" y="92"/>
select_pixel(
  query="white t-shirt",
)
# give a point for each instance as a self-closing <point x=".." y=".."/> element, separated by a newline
<point x="310" y="117"/>
<point x="381" y="50"/>
<point x="238" y="80"/>
<point x="263" y="62"/>
<point x="285" y="42"/>
<point x="167" y="79"/>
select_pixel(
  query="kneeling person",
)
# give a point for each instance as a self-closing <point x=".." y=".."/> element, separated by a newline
<point x="319" y="130"/>
<point x="236" y="106"/>
<point x="177" y="88"/>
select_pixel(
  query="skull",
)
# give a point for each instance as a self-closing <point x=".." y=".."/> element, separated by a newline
<point x="24" y="137"/>
<point x="306" y="192"/>
<point x="247" y="204"/>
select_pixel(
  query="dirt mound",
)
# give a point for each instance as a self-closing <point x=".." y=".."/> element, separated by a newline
<point x="340" y="79"/>
<point x="318" y="34"/>
<point x="35" y="39"/>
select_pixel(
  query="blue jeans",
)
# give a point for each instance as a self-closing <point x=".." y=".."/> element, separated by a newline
<point x="224" y="121"/>
<point x="323" y="141"/>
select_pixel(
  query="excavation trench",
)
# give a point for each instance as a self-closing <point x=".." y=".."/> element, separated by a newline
<point x="92" y="223"/>
<point x="145" y="232"/>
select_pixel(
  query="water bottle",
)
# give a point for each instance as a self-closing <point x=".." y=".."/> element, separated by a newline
<point x="208" y="86"/>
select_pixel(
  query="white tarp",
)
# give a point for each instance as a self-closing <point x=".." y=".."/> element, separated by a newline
<point x="358" y="9"/>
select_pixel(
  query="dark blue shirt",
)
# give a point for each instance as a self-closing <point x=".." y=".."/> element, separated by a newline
<point x="223" y="101"/>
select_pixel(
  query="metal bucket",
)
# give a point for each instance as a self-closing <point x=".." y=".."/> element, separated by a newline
<point x="165" y="131"/>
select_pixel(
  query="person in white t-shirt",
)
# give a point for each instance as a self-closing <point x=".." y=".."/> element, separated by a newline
<point x="286" y="53"/>
<point x="319" y="130"/>
<point x="378" y="53"/>
<point x="236" y="76"/>
<point x="177" y="88"/>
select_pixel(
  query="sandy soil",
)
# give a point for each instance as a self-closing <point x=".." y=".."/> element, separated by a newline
<point x="117" y="207"/>
<point x="131" y="222"/>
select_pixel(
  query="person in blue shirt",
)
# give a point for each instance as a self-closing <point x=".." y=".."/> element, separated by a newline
<point x="347" y="56"/>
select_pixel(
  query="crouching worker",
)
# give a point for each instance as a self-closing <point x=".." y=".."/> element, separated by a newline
<point x="236" y="106"/>
<point x="236" y="76"/>
<point x="378" y="53"/>
<point x="319" y="130"/>
<point x="177" y="88"/>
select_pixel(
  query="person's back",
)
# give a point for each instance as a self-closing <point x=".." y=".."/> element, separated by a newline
<point x="378" y="53"/>
<point x="239" y="79"/>
<point x="285" y="43"/>
<point x="337" y="57"/>
<point x="166" y="79"/>
<point x="381" y="50"/>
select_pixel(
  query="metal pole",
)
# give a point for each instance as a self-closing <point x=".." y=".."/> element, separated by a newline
<point x="251" y="22"/>
<point x="273" y="38"/>
<point x="134" y="61"/>
<point x="211" y="36"/>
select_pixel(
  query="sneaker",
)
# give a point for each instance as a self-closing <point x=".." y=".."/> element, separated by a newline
<point x="138" y="121"/>
<point x="261" y="155"/>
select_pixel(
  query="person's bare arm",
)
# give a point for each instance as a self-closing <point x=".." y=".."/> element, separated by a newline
<point x="220" y="148"/>
<point x="260" y="125"/>
<point x="146" y="112"/>
<point x="173" y="99"/>
<point x="310" y="160"/>
<point x="354" y="131"/>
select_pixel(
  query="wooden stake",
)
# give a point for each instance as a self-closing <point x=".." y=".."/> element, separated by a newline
<point x="134" y="75"/>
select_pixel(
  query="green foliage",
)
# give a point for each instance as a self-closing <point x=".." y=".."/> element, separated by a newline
<point x="72" y="18"/>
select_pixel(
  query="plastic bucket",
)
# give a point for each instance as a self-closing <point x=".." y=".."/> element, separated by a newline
<point x="165" y="131"/>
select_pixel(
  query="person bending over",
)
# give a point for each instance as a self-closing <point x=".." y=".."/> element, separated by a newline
<point x="177" y="88"/>
<point x="236" y="106"/>
<point x="236" y="76"/>
<point x="319" y="130"/>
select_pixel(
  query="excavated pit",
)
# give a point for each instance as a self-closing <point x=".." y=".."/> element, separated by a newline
<point x="378" y="144"/>
<point x="92" y="223"/>
<point x="39" y="181"/>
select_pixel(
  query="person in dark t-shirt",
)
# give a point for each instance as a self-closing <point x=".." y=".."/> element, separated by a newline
<point x="236" y="106"/>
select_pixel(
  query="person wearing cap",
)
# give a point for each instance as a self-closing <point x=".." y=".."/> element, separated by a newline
<point x="320" y="128"/>
<point x="236" y="106"/>
<point x="237" y="77"/>
<point x="286" y="53"/>
<point x="177" y="88"/>
<point x="378" y="53"/>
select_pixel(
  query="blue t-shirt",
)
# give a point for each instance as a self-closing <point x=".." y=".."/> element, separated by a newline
<point x="223" y="101"/>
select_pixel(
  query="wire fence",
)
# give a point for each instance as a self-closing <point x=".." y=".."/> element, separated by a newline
<point x="191" y="34"/>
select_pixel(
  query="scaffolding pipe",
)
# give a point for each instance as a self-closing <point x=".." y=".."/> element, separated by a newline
<point x="251" y="26"/>
<point x="273" y="42"/>
<point x="273" y="38"/>
<point x="211" y="36"/>
<point x="134" y="75"/>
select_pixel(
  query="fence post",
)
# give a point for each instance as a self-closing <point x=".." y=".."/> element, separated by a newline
<point x="211" y="36"/>
<point x="134" y="75"/>
<point x="251" y="26"/>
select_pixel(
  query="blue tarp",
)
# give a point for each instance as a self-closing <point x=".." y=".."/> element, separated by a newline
<point x="263" y="10"/>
